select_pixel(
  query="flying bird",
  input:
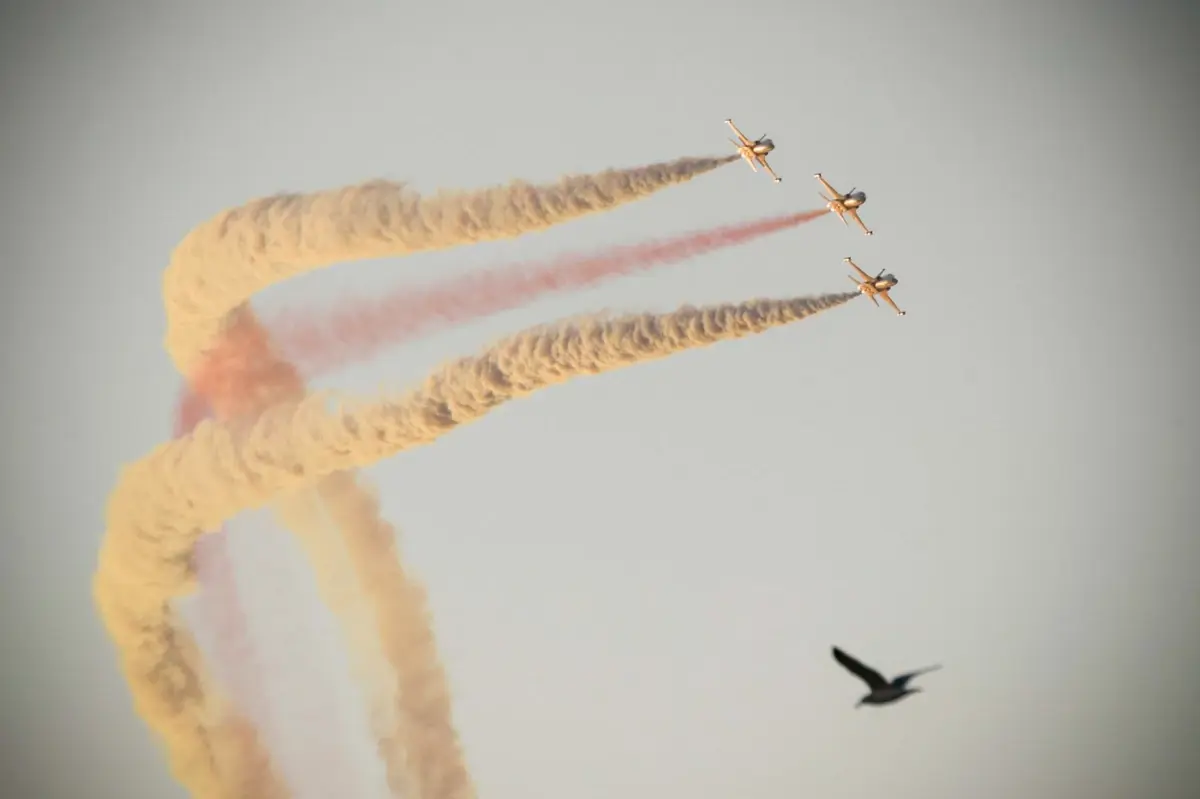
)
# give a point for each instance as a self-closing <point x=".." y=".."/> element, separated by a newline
<point x="882" y="691"/>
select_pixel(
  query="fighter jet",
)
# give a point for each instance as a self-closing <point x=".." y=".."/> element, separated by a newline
<point x="877" y="286"/>
<point x="883" y="692"/>
<point x="844" y="204"/>
<point x="754" y="150"/>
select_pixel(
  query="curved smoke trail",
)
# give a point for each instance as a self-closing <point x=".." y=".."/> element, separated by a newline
<point x="213" y="272"/>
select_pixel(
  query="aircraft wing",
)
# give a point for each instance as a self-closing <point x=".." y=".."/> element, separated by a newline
<point x="828" y="188"/>
<point x="865" y="277"/>
<point x="892" y="303"/>
<point x="762" y="159"/>
<point x="854" y="213"/>
<point x="740" y="135"/>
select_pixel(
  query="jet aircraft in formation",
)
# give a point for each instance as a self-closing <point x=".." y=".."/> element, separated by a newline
<point x="877" y="286"/>
<point x="844" y="204"/>
<point x="755" y="152"/>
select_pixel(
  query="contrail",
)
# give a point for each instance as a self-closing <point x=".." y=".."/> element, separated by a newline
<point x="164" y="502"/>
<point x="222" y="263"/>
<point x="317" y="342"/>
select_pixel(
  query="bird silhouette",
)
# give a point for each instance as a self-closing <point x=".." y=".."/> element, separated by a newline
<point x="883" y="692"/>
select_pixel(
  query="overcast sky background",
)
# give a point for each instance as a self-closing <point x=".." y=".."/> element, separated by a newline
<point x="636" y="578"/>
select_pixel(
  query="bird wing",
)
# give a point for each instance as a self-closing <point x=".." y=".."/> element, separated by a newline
<point x="902" y="680"/>
<point x="865" y="673"/>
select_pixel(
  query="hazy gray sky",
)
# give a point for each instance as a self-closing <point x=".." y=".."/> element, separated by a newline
<point x="636" y="578"/>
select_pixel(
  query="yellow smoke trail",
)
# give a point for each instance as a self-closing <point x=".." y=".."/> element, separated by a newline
<point x="214" y="271"/>
<point x="223" y="262"/>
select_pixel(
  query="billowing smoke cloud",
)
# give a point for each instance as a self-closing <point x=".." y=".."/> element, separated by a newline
<point x="222" y="263"/>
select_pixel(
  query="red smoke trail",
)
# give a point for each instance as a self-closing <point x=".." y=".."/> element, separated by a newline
<point x="315" y="343"/>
